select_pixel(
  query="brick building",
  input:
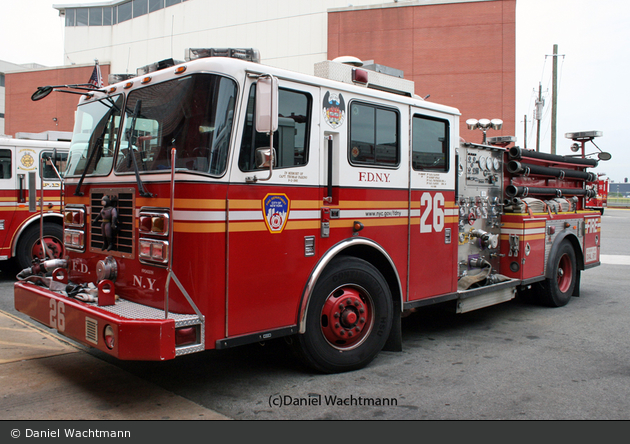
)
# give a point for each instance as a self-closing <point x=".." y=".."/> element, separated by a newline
<point x="55" y="112"/>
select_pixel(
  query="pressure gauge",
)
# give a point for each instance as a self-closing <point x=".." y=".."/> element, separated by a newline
<point x="489" y="161"/>
<point x="497" y="164"/>
<point x="482" y="162"/>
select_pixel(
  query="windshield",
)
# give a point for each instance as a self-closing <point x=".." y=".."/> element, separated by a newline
<point x="194" y="114"/>
<point x="94" y="137"/>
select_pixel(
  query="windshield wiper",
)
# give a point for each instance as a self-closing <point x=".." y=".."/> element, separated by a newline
<point x="131" y="139"/>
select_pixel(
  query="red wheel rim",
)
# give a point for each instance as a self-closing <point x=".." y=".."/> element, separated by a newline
<point x="565" y="273"/>
<point x="54" y="245"/>
<point x="347" y="317"/>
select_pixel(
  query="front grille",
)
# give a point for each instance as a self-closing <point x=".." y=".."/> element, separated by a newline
<point x="124" y="237"/>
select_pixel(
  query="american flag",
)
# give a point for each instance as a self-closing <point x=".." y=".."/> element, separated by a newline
<point x="96" y="79"/>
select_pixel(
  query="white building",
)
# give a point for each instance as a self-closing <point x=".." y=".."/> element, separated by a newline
<point x="289" y="34"/>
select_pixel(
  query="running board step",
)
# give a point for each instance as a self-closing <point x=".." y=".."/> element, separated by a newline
<point x="477" y="298"/>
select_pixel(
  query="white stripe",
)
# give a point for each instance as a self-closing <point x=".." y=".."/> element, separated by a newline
<point x="613" y="259"/>
<point x="304" y="214"/>
<point x="200" y="215"/>
<point x="246" y="215"/>
<point x="219" y="216"/>
<point x="528" y="231"/>
<point x="349" y="214"/>
<point x="15" y="204"/>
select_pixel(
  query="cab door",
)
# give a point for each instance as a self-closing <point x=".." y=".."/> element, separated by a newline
<point x="433" y="222"/>
<point x="271" y="219"/>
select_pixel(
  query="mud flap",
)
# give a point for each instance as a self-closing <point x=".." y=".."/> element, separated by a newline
<point x="394" y="341"/>
<point x="576" y="290"/>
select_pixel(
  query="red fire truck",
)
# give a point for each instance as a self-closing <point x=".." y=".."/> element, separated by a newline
<point x="219" y="202"/>
<point x="24" y="172"/>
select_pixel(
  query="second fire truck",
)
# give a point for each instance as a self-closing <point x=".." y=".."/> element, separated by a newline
<point x="219" y="202"/>
<point x="26" y="167"/>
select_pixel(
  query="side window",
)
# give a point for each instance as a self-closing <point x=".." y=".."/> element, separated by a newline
<point x="374" y="135"/>
<point x="5" y="164"/>
<point x="48" y="173"/>
<point x="430" y="144"/>
<point x="290" y="141"/>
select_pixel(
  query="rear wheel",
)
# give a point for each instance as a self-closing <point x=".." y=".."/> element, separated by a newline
<point x="30" y="247"/>
<point x="557" y="290"/>
<point x="349" y="317"/>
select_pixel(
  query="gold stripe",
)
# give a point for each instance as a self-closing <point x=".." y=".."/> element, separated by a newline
<point x="78" y="200"/>
<point x="152" y="202"/>
<point x="524" y="225"/>
<point x="526" y="237"/>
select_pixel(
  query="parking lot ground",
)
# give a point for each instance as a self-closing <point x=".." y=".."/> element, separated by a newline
<point x="45" y="378"/>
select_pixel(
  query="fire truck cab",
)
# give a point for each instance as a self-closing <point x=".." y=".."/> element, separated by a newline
<point x="218" y="202"/>
<point x="24" y="171"/>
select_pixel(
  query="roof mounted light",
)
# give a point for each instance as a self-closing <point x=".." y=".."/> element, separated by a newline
<point x="247" y="54"/>
<point x="583" y="135"/>
<point x="484" y="125"/>
<point x="115" y="78"/>
<point x="349" y="60"/>
<point x="472" y="124"/>
<point x="157" y="66"/>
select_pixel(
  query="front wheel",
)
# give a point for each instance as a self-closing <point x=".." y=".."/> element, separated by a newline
<point x="349" y="317"/>
<point x="30" y="247"/>
<point x="557" y="290"/>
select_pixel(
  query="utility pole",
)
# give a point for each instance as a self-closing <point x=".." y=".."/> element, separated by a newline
<point x="525" y="132"/>
<point x="554" y="99"/>
<point x="538" y="115"/>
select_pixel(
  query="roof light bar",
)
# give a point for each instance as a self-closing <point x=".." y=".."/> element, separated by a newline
<point x="157" y="66"/>
<point x="247" y="54"/>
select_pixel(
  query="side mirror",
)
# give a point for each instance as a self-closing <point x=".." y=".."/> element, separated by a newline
<point x="267" y="104"/>
<point x="604" y="156"/>
<point x="42" y="91"/>
<point x="264" y="156"/>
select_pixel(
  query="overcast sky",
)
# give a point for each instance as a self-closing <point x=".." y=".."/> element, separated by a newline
<point x="592" y="38"/>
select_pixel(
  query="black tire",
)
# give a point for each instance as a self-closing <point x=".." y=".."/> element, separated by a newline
<point x="557" y="290"/>
<point x="28" y="247"/>
<point x="349" y="317"/>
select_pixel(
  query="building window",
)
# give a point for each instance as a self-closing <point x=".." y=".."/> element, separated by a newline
<point x="111" y="15"/>
<point x="1" y="79"/>
<point x="429" y="144"/>
<point x="82" y="16"/>
<point x="139" y="8"/>
<point x="107" y="16"/>
<point x="96" y="16"/>
<point x="70" y="13"/>
<point x="155" y="5"/>
<point x="124" y="12"/>
<point x="373" y="135"/>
